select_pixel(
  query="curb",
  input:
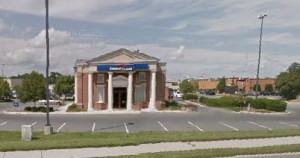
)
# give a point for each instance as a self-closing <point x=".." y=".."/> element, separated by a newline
<point x="260" y="113"/>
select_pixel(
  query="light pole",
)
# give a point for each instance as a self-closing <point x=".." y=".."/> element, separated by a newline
<point x="48" y="129"/>
<point x="3" y="70"/>
<point x="259" y="51"/>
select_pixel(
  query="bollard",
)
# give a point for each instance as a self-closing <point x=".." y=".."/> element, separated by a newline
<point x="26" y="132"/>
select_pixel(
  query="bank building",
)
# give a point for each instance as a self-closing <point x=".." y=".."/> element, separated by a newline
<point x="120" y="80"/>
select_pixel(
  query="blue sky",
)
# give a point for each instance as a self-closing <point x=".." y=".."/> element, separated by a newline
<point x="197" y="38"/>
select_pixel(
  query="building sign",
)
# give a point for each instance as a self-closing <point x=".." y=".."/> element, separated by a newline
<point x="122" y="67"/>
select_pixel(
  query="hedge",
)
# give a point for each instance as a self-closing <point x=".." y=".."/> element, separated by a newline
<point x="190" y="97"/>
<point x="261" y="103"/>
<point x="37" y="109"/>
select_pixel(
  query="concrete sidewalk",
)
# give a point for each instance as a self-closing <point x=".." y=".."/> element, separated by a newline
<point x="151" y="148"/>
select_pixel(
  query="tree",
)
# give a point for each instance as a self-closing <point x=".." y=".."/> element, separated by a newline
<point x="258" y="88"/>
<point x="288" y="83"/>
<point x="187" y="86"/>
<point x="32" y="88"/>
<point x="221" y="85"/>
<point x="54" y="76"/>
<point x="4" y="88"/>
<point x="269" y="88"/>
<point x="64" y="85"/>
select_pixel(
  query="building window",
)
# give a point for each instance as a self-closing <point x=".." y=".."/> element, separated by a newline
<point x="100" y="94"/>
<point x="140" y="93"/>
<point x="100" y="78"/>
<point x="141" y="76"/>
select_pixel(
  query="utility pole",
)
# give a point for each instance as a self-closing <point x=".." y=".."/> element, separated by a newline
<point x="259" y="52"/>
<point x="48" y="129"/>
<point x="2" y="70"/>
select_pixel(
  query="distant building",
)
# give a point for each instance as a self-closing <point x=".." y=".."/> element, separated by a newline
<point x="208" y="84"/>
<point x="13" y="82"/>
<point x="174" y="85"/>
<point x="243" y="84"/>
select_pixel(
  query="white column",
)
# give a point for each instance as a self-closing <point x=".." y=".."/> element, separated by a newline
<point x="90" y="92"/>
<point x="153" y="91"/>
<point x="129" y="92"/>
<point x="110" y="91"/>
<point x="75" y="88"/>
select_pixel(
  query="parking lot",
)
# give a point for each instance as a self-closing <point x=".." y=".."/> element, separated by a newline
<point x="206" y="119"/>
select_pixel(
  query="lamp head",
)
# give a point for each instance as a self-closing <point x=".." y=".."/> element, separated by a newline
<point x="261" y="16"/>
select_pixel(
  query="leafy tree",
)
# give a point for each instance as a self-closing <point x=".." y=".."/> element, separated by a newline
<point x="54" y="76"/>
<point x="187" y="86"/>
<point x="269" y="88"/>
<point x="64" y="85"/>
<point x="288" y="83"/>
<point x="258" y="87"/>
<point x="221" y="85"/>
<point x="4" y="88"/>
<point x="32" y="88"/>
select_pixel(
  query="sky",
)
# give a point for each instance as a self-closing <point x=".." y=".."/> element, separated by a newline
<point x="197" y="38"/>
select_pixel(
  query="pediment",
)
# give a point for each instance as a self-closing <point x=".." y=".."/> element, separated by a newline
<point x="123" y="56"/>
<point x="120" y="81"/>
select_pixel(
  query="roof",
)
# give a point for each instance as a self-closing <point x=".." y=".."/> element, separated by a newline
<point x="133" y="54"/>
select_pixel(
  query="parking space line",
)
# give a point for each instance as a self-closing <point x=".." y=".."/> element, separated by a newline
<point x="94" y="126"/>
<point x="195" y="126"/>
<point x="3" y="123"/>
<point x="224" y="124"/>
<point x="61" y="127"/>
<point x="162" y="126"/>
<point x="126" y="128"/>
<point x="33" y="124"/>
<point x="260" y="125"/>
<point x="284" y="123"/>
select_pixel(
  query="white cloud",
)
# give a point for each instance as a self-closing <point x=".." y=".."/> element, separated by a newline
<point x="281" y="38"/>
<point x="180" y="26"/>
<point x="178" y="55"/>
<point x="174" y="39"/>
<point x="56" y="38"/>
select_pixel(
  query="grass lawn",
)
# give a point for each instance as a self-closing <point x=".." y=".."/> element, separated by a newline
<point x="207" y="153"/>
<point x="11" y="141"/>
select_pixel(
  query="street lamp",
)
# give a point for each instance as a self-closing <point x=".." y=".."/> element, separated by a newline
<point x="3" y="70"/>
<point x="262" y="16"/>
<point x="48" y="129"/>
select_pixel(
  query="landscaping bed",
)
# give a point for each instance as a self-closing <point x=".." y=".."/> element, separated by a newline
<point x="242" y="103"/>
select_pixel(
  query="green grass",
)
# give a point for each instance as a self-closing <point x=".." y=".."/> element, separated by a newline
<point x="207" y="153"/>
<point x="11" y="141"/>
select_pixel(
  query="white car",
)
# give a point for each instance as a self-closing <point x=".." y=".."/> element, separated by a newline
<point x="178" y="94"/>
<point x="51" y="102"/>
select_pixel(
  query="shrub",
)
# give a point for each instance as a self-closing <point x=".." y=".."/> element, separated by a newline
<point x="276" y="105"/>
<point x="74" y="108"/>
<point x="260" y="103"/>
<point x="27" y="108"/>
<point x="41" y="108"/>
<point x="172" y="103"/>
<point x="34" y="109"/>
<point x="190" y="96"/>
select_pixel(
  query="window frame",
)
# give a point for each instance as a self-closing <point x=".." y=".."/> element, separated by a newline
<point x="99" y="87"/>
<point x="135" y="92"/>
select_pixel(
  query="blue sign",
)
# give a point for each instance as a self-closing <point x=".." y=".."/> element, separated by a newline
<point x="122" y="67"/>
<point x="16" y="104"/>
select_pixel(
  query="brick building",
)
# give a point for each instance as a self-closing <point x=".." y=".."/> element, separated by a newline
<point x="120" y="80"/>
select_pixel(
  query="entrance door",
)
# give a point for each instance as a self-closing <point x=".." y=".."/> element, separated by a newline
<point x="120" y="97"/>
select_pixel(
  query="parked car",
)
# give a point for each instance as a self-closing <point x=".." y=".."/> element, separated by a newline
<point x="69" y="97"/>
<point x="51" y="101"/>
<point x="177" y="94"/>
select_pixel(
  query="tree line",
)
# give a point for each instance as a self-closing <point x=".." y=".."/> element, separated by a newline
<point x="33" y="86"/>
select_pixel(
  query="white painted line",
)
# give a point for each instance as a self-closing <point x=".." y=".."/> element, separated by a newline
<point x="94" y="125"/>
<point x="61" y="127"/>
<point x="33" y="124"/>
<point x="127" y="131"/>
<point x="195" y="126"/>
<point x="224" y="124"/>
<point x="260" y="125"/>
<point x="3" y="123"/>
<point x="288" y="124"/>
<point x="162" y="126"/>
